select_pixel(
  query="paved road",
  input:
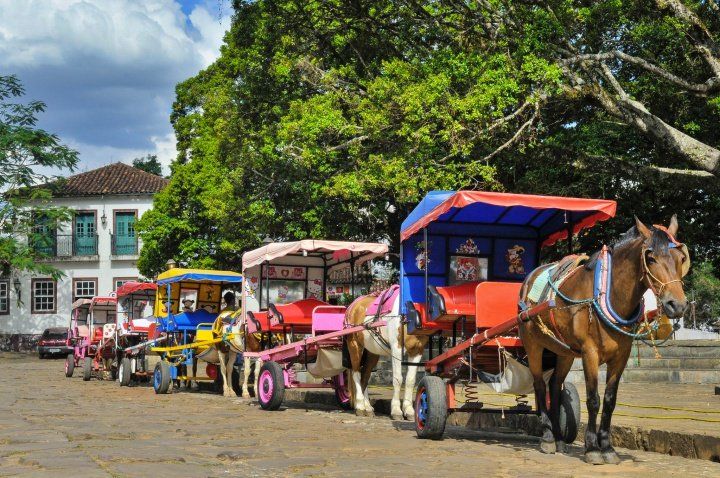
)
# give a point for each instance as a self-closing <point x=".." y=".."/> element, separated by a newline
<point x="53" y="426"/>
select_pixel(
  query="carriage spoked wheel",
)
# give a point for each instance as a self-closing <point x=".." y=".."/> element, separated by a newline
<point x="569" y="412"/>
<point x="430" y="408"/>
<point x="124" y="372"/>
<point x="270" y="386"/>
<point x="69" y="365"/>
<point x="161" y="377"/>
<point x="87" y="368"/>
<point x="342" y="391"/>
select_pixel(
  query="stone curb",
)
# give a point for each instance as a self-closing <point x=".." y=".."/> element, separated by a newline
<point x="687" y="445"/>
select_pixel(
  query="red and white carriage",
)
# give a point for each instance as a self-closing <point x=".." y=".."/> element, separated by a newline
<point x="135" y="315"/>
<point x="464" y="256"/>
<point x="92" y="336"/>
<point x="286" y="304"/>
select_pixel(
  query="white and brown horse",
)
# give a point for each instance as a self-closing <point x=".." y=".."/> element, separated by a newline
<point x="386" y="341"/>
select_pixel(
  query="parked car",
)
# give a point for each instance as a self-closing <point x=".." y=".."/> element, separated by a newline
<point x="54" y="342"/>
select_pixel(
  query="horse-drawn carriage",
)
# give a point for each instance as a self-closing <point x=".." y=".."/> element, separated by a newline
<point x="190" y="329"/>
<point x="299" y="331"/>
<point x="135" y="315"/>
<point x="92" y="337"/>
<point x="470" y="273"/>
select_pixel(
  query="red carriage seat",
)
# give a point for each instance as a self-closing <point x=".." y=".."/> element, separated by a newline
<point x="258" y="322"/>
<point x="496" y="302"/>
<point x="297" y="315"/>
<point x="449" y="303"/>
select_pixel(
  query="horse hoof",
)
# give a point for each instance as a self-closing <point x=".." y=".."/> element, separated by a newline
<point x="611" y="458"/>
<point x="548" y="447"/>
<point x="560" y="446"/>
<point x="397" y="416"/>
<point x="594" y="458"/>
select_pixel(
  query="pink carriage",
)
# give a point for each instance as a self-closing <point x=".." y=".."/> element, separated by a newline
<point x="286" y="296"/>
<point x="92" y="336"/>
<point x="135" y="305"/>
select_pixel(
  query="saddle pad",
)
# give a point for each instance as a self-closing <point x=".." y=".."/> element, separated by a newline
<point x="384" y="301"/>
<point x="539" y="285"/>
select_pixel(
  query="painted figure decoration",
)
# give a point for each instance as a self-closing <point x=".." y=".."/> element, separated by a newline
<point x="468" y="247"/>
<point x="251" y="285"/>
<point x="422" y="258"/>
<point x="467" y="269"/>
<point x="514" y="259"/>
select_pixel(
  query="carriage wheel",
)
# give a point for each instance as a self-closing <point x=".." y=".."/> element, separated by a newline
<point x="87" y="368"/>
<point x="430" y="408"/>
<point x="569" y="412"/>
<point x="69" y="365"/>
<point x="342" y="392"/>
<point x="124" y="372"/>
<point x="161" y="377"/>
<point x="271" y="386"/>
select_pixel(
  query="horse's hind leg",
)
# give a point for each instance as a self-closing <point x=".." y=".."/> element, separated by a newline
<point x="615" y="369"/>
<point x="534" y="353"/>
<point x="590" y="369"/>
<point x="562" y="368"/>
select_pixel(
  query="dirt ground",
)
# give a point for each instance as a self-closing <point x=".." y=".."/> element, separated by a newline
<point x="54" y="426"/>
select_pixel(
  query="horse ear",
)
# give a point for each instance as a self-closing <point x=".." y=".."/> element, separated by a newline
<point x="642" y="228"/>
<point x="673" y="227"/>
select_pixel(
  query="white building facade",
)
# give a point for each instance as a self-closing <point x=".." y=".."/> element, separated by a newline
<point x="97" y="250"/>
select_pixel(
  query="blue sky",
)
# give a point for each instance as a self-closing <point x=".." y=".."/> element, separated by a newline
<point x="107" y="69"/>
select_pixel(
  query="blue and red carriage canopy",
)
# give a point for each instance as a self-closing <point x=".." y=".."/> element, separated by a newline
<point x="550" y="216"/>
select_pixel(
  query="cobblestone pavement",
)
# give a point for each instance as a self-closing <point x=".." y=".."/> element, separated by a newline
<point x="54" y="426"/>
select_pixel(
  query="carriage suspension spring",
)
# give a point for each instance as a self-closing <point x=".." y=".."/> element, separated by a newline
<point x="471" y="391"/>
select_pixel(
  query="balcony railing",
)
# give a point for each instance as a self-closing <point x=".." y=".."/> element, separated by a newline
<point x="66" y="245"/>
<point x="123" y="245"/>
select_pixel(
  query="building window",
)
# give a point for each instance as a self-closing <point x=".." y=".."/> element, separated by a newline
<point x="4" y="296"/>
<point x="119" y="281"/>
<point x="85" y="239"/>
<point x="124" y="239"/>
<point x="44" y="296"/>
<point x="84" y="289"/>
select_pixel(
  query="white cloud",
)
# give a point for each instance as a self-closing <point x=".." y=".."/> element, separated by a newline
<point x="107" y="69"/>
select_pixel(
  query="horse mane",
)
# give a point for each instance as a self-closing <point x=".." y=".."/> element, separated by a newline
<point x="659" y="242"/>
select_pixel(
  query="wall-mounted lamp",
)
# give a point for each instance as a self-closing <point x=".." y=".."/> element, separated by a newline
<point x="171" y="264"/>
<point x="18" y="290"/>
<point x="103" y="219"/>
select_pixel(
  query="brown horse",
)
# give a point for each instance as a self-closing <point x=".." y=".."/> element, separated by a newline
<point x="642" y="259"/>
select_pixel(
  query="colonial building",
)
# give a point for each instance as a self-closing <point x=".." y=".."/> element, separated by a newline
<point x="97" y="250"/>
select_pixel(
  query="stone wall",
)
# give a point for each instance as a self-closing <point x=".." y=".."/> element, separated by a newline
<point x="19" y="342"/>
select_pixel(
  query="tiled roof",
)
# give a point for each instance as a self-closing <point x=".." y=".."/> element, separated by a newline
<point x="116" y="178"/>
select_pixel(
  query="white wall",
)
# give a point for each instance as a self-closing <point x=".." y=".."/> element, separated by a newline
<point x="103" y="267"/>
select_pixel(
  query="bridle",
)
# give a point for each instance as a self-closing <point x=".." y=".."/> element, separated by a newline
<point x="656" y="285"/>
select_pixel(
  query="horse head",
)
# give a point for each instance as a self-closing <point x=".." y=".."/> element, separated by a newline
<point x="665" y="262"/>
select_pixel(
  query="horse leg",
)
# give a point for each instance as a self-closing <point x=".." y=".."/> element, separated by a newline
<point x="534" y="355"/>
<point x="410" y="376"/>
<point x="615" y="369"/>
<point x="396" y="412"/>
<point x="226" y="359"/>
<point x="590" y="369"/>
<point x="247" y="365"/>
<point x="367" y="369"/>
<point x="562" y="368"/>
<point x="355" y="349"/>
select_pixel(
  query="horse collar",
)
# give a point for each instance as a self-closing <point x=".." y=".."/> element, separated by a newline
<point x="602" y="286"/>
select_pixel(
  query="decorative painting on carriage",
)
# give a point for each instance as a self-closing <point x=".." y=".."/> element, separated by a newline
<point x="454" y="241"/>
<point x="286" y="281"/>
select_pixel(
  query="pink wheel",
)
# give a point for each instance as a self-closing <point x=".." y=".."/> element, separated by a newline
<point x="271" y="386"/>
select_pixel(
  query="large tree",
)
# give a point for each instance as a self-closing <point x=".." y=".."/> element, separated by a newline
<point x="28" y="156"/>
<point x="331" y="119"/>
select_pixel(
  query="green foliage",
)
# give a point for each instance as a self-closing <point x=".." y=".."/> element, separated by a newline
<point x="705" y="292"/>
<point x="25" y="153"/>
<point x="332" y="119"/>
<point x="149" y="164"/>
